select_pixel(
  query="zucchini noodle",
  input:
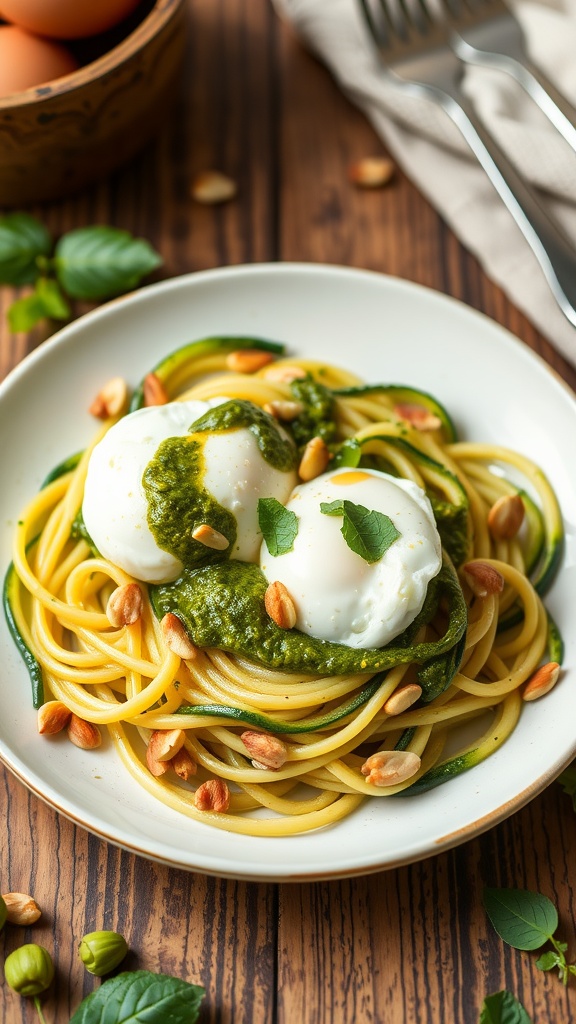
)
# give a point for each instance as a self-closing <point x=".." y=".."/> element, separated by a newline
<point x="130" y="683"/>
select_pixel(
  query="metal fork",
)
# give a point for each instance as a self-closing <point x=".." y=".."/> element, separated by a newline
<point x="416" y="57"/>
<point x="487" y="32"/>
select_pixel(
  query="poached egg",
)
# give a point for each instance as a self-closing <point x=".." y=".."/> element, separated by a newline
<point x="115" y="507"/>
<point x="338" y="595"/>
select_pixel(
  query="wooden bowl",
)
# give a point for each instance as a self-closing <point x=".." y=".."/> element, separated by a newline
<point x="59" y="137"/>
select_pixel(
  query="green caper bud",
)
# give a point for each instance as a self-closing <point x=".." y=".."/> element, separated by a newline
<point x="29" y="969"/>
<point x="3" y="912"/>
<point x="101" y="952"/>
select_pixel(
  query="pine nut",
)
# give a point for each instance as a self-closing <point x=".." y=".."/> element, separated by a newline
<point x="269" y="752"/>
<point x="506" y="517"/>
<point x="542" y="681"/>
<point x="402" y="699"/>
<point x="280" y="606"/>
<point x="176" y="637"/>
<point x="125" y="605"/>
<point x="210" y="537"/>
<point x="213" y="795"/>
<point x="154" y="391"/>
<point x="483" y="579"/>
<point x="314" y="459"/>
<point x="248" y="360"/>
<point x="389" y="767"/>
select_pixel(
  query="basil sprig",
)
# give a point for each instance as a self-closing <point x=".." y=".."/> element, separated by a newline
<point x="88" y="263"/>
<point x="279" y="525"/>
<point x="528" y="920"/>
<point x="367" y="532"/>
<point x="141" y="996"/>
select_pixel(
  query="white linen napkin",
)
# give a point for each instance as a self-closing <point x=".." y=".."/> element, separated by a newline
<point x="430" y="149"/>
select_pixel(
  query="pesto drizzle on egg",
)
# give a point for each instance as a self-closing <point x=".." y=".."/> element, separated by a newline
<point x="178" y="501"/>
<point x="278" y="451"/>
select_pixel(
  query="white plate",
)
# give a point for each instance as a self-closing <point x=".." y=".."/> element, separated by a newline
<point x="385" y="330"/>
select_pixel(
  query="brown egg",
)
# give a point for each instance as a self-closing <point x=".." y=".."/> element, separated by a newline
<point x="66" y="19"/>
<point x="27" y="61"/>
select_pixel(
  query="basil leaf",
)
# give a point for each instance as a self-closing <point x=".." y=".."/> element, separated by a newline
<point x="45" y="301"/>
<point x="279" y="525"/>
<point x="503" y="1008"/>
<point x="367" y="532"/>
<point x="549" y="960"/>
<point x="141" y="997"/>
<point x="22" y="240"/>
<point x="25" y="313"/>
<point x="523" y="919"/>
<point x="55" y="305"/>
<point x="99" y="262"/>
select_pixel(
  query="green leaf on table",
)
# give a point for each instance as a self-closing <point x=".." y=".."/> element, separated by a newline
<point x="100" y="262"/>
<point x="549" y="960"/>
<point x="503" y="1008"/>
<point x="523" y="919"/>
<point x="367" y="532"/>
<point x="279" y="525"/>
<point x="22" y="240"/>
<point x="141" y="997"/>
<point x="568" y="782"/>
<point x="45" y="301"/>
<point x="55" y="304"/>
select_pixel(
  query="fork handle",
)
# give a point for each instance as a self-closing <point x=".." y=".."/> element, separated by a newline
<point x="552" y="249"/>
<point x="513" y="61"/>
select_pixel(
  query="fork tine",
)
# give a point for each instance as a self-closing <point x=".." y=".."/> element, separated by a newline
<point x="411" y="17"/>
<point x="374" y="28"/>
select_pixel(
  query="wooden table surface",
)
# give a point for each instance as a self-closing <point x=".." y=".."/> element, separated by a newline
<point x="408" y="946"/>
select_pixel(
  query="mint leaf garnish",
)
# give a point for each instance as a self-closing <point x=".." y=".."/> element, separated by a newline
<point x="367" y="532"/>
<point x="279" y="525"/>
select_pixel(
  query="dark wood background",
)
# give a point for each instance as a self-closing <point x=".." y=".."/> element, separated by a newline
<point x="409" y="946"/>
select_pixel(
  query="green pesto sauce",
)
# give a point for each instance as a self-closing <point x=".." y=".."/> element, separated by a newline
<point x="278" y="451"/>
<point x="223" y="606"/>
<point x="178" y="501"/>
<point x="317" y="416"/>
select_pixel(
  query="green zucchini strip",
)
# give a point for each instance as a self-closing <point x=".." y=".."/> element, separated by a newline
<point x="20" y="635"/>
<point x="66" y="466"/>
<point x="555" y="641"/>
<point x="176" y="361"/>
<point x="11" y="603"/>
<point x="504" y="723"/>
<point x="275" y="725"/>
